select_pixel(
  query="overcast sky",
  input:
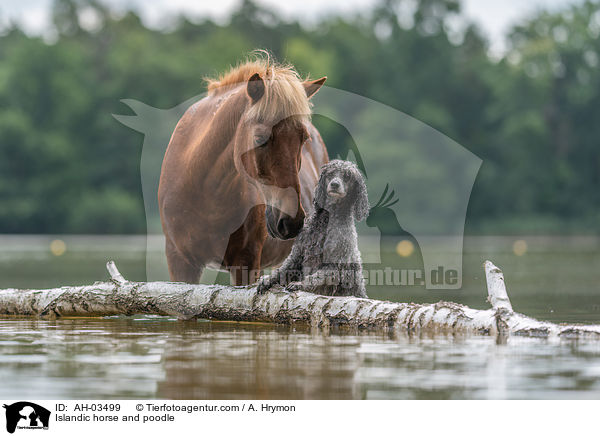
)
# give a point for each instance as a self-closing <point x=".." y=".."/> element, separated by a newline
<point x="493" y="16"/>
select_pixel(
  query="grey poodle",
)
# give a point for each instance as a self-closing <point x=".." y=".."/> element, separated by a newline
<point x="325" y="257"/>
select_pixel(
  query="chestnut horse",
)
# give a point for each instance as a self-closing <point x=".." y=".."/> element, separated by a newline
<point x="239" y="173"/>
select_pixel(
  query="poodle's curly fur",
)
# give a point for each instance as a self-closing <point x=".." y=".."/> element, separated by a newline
<point x="325" y="258"/>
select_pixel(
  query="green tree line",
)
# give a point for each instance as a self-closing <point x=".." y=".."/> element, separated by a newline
<point x="533" y="116"/>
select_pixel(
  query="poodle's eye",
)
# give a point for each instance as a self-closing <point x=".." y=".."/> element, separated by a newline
<point x="261" y="140"/>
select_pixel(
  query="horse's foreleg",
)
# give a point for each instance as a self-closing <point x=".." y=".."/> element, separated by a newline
<point x="246" y="267"/>
<point x="244" y="251"/>
<point x="243" y="262"/>
<point x="180" y="269"/>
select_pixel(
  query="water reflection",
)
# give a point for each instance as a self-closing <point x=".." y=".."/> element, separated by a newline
<point x="154" y="357"/>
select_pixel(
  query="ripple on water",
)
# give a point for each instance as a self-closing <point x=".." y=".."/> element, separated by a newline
<point x="123" y="358"/>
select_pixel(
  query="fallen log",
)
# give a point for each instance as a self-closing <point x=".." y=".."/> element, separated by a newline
<point x="185" y="301"/>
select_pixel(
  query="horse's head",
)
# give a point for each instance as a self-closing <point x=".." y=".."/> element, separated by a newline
<point x="268" y="144"/>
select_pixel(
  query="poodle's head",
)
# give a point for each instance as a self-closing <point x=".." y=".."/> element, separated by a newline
<point x="342" y="188"/>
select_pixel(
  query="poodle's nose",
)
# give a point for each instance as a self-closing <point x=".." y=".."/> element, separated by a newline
<point x="335" y="184"/>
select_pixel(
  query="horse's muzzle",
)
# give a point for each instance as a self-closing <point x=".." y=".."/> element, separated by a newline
<point x="282" y="226"/>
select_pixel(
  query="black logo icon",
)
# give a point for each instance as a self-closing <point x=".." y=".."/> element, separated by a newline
<point x="26" y="415"/>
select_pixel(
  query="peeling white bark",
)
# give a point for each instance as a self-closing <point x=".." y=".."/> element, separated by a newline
<point x="119" y="296"/>
<point x="497" y="295"/>
<point x="509" y="322"/>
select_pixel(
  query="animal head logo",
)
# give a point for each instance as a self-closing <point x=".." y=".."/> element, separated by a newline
<point x="424" y="177"/>
<point x="26" y="415"/>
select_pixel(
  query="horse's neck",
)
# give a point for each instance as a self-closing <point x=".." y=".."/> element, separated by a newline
<point x="211" y="158"/>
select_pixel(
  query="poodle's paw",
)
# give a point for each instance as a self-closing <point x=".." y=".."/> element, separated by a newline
<point x="294" y="287"/>
<point x="264" y="284"/>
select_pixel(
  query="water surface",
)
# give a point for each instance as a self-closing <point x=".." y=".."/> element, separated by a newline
<point x="151" y="357"/>
<point x="159" y="357"/>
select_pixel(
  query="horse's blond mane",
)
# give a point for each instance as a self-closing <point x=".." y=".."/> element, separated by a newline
<point x="284" y="97"/>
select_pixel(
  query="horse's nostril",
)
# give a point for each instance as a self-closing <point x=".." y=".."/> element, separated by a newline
<point x="289" y="228"/>
<point x="282" y="227"/>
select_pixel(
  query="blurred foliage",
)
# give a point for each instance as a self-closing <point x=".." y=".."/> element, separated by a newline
<point x="533" y="116"/>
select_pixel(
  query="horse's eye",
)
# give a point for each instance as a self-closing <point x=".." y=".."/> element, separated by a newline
<point x="303" y="136"/>
<point x="261" y="140"/>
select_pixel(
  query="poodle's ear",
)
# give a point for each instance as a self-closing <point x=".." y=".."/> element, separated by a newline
<point x="321" y="190"/>
<point x="361" y="204"/>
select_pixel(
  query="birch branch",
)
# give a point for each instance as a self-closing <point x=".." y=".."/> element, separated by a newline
<point x="513" y="323"/>
<point x="186" y="301"/>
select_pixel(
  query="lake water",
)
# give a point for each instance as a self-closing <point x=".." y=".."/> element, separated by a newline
<point x="158" y="357"/>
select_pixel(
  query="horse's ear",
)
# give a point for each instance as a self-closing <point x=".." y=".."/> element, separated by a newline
<point x="255" y="87"/>
<point x="312" y="86"/>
